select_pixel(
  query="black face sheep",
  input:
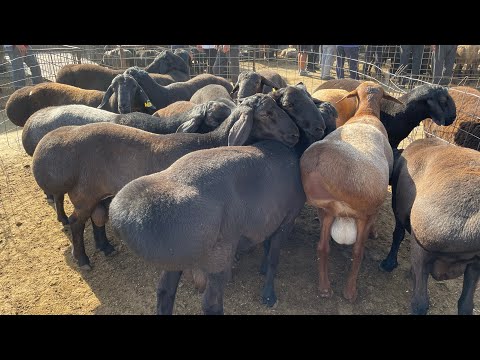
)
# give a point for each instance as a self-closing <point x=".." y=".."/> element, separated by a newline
<point x="167" y="63"/>
<point x="436" y="198"/>
<point x="297" y="102"/>
<point x="94" y="161"/>
<point x="251" y="82"/>
<point x="464" y="131"/>
<point x="425" y="101"/>
<point x="161" y="96"/>
<point x="346" y="177"/>
<point x="208" y="205"/>
<point x="124" y="94"/>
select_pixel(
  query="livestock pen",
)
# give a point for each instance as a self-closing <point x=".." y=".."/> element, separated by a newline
<point x="39" y="276"/>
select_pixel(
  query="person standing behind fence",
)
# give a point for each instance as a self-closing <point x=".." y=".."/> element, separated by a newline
<point x="210" y="53"/>
<point x="220" y="67"/>
<point x="416" y="51"/>
<point x="327" y="56"/>
<point x="302" y="60"/>
<point x="18" y="55"/>
<point x="351" y="53"/>
<point x="312" y="57"/>
<point x="443" y="61"/>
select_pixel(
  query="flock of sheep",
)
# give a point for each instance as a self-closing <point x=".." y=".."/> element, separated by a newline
<point x="191" y="171"/>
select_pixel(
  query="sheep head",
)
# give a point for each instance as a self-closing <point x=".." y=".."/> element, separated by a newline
<point x="127" y="91"/>
<point x="299" y="105"/>
<point x="250" y="83"/>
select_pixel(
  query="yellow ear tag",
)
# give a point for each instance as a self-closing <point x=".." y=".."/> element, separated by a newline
<point x="148" y="104"/>
<point x="273" y="90"/>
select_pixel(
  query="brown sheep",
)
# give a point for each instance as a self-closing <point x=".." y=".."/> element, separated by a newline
<point x="96" y="77"/>
<point x="344" y="84"/>
<point x="346" y="177"/>
<point x="436" y="198"/>
<point x="175" y="108"/>
<point x="345" y="108"/>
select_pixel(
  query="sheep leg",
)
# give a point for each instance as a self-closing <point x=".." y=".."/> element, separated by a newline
<point x="49" y="197"/>
<point x="77" y="227"/>
<point x="99" y="217"/>
<point x="363" y="228"/>
<point x="166" y="291"/>
<point x="268" y="295"/>
<point x="323" y="249"/>
<point x="61" y="216"/>
<point x="421" y="264"/>
<point x="470" y="280"/>
<point x="101" y="241"/>
<point x="266" y="250"/>
<point x="213" y="296"/>
<point x="390" y="261"/>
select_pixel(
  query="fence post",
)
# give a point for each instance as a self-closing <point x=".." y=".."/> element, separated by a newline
<point x="122" y="58"/>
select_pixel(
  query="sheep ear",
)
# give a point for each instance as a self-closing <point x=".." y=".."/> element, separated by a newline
<point x="190" y="126"/>
<point x="106" y="96"/>
<point x="317" y="102"/>
<point x="240" y="131"/>
<point x="349" y="95"/>
<point x="146" y="101"/>
<point x="391" y="98"/>
<point x="235" y="88"/>
<point x="277" y="95"/>
<point x="301" y="85"/>
<point x="269" y="83"/>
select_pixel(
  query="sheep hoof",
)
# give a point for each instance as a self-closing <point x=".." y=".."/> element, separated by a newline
<point x="269" y="300"/>
<point x="86" y="267"/>
<point x="108" y="250"/>
<point x="387" y="266"/>
<point x="419" y="308"/>
<point x="325" y="293"/>
<point x="350" y="295"/>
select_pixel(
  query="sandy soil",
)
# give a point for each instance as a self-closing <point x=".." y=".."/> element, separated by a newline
<point x="38" y="275"/>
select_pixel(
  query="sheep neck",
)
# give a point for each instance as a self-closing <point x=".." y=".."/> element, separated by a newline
<point x="399" y="120"/>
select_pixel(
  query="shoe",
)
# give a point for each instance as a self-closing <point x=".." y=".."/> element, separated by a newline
<point x="303" y="73"/>
<point x="327" y="78"/>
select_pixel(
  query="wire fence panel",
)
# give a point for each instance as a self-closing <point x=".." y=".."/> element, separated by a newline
<point x="399" y="68"/>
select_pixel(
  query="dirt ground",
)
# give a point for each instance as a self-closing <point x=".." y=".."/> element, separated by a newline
<point x="38" y="274"/>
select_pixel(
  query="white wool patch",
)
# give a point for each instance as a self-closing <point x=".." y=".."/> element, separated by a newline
<point x="30" y="93"/>
<point x="344" y="230"/>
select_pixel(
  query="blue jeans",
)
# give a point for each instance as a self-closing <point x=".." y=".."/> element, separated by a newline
<point x="416" y="51"/>
<point x="328" y="55"/>
<point x="443" y="61"/>
<point x="351" y="53"/>
<point x="17" y="61"/>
